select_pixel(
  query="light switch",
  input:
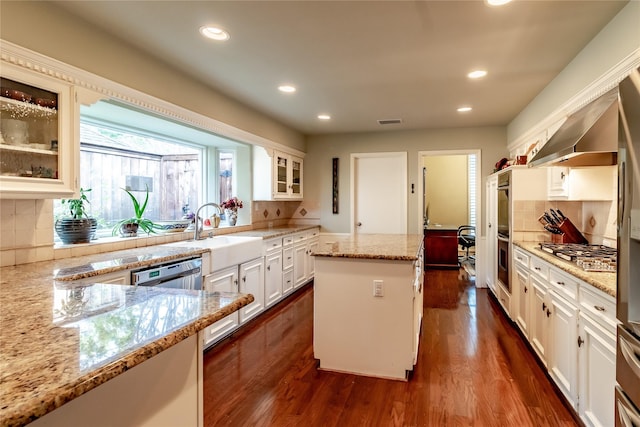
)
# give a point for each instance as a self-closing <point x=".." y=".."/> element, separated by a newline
<point x="378" y="288"/>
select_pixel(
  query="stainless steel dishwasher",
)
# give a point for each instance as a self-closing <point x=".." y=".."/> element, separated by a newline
<point x="180" y="274"/>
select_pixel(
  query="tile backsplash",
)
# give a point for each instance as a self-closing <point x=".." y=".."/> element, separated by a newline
<point x="27" y="231"/>
<point x="596" y="220"/>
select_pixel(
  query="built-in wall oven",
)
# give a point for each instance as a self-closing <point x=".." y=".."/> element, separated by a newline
<point x="503" y="210"/>
<point x="179" y="274"/>
<point x="627" y="391"/>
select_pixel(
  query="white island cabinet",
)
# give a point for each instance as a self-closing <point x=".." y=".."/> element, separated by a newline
<point x="368" y="304"/>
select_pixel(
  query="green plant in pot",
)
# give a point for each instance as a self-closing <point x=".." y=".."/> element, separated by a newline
<point x="129" y="227"/>
<point x="78" y="227"/>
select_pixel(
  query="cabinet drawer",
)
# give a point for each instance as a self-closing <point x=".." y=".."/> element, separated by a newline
<point x="287" y="240"/>
<point x="598" y="305"/>
<point x="272" y="244"/>
<point x="521" y="258"/>
<point x="563" y="284"/>
<point x="539" y="267"/>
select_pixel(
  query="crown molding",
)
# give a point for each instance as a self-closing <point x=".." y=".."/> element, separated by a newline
<point x="598" y="87"/>
<point x="101" y="87"/>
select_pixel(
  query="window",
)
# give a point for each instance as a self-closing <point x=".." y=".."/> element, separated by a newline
<point x="472" y="165"/>
<point x="125" y="148"/>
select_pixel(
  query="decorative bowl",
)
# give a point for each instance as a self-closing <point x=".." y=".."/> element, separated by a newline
<point x="173" y="226"/>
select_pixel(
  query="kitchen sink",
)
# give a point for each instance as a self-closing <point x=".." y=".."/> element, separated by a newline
<point x="227" y="250"/>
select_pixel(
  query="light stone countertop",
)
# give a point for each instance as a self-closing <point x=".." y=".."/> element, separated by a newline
<point x="60" y="338"/>
<point x="404" y="247"/>
<point x="603" y="281"/>
<point x="272" y="233"/>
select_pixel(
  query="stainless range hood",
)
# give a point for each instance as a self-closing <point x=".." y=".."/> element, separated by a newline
<point x="589" y="137"/>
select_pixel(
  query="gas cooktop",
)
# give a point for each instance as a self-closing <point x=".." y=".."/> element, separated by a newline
<point x="587" y="257"/>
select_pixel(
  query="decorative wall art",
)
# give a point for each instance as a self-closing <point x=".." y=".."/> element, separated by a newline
<point x="335" y="185"/>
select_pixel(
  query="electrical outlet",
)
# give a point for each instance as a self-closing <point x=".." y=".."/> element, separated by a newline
<point x="378" y="288"/>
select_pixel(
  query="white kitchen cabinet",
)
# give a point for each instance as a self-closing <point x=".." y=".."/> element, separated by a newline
<point x="287" y="267"/>
<point x="225" y="280"/>
<point x="276" y="175"/>
<point x="38" y="141"/>
<point x="563" y="348"/>
<point x="251" y="281"/>
<point x="273" y="279"/>
<point x="597" y="376"/>
<point x="578" y="184"/>
<point x="300" y="260"/>
<point x="313" y="240"/>
<point x="524" y="292"/>
<point x="492" y="232"/>
<point x="540" y="322"/>
<point x="557" y="183"/>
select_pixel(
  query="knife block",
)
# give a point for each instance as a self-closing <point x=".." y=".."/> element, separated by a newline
<point x="560" y="238"/>
<point x="570" y="233"/>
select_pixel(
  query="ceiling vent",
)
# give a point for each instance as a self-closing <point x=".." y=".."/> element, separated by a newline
<point x="390" y="122"/>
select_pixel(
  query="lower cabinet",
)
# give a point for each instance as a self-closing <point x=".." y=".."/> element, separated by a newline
<point x="571" y="326"/>
<point x="273" y="275"/>
<point x="221" y="281"/>
<point x="252" y="282"/>
<point x="539" y="325"/>
<point x="597" y="376"/>
<point x="563" y="356"/>
<point x="524" y="301"/>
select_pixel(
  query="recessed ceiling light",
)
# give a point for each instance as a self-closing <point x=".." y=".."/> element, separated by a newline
<point x="497" y="2"/>
<point x="214" y="33"/>
<point x="477" y="74"/>
<point x="464" y="109"/>
<point x="287" y="88"/>
<point x="324" y="117"/>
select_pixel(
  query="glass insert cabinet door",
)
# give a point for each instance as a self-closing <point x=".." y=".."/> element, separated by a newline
<point x="36" y="148"/>
<point x="282" y="168"/>
<point x="296" y="176"/>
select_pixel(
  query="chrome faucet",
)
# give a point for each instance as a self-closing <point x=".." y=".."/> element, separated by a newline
<point x="196" y="235"/>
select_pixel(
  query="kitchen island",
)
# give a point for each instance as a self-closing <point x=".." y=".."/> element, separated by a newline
<point x="83" y="353"/>
<point x="368" y="303"/>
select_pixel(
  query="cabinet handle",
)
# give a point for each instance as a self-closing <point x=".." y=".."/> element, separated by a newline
<point x="268" y="268"/>
<point x="548" y="313"/>
<point x="599" y="308"/>
<point x="544" y="306"/>
<point x="580" y="341"/>
<point x="536" y="268"/>
<point x="244" y="279"/>
<point x="560" y="283"/>
<point x="526" y="290"/>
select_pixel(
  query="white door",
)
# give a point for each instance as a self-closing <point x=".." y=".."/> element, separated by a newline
<point x="379" y="193"/>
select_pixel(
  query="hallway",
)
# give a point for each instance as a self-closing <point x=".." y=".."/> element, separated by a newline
<point x="473" y="370"/>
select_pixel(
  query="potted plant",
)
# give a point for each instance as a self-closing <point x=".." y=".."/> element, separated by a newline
<point x="129" y="227"/>
<point x="78" y="227"/>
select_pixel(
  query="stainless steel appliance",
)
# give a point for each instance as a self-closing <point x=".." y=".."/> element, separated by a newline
<point x="504" y="207"/>
<point x="587" y="257"/>
<point x="628" y="291"/>
<point x="503" y="263"/>
<point x="182" y="274"/>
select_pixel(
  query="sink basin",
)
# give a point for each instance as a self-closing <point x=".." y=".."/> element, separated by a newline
<point x="227" y="250"/>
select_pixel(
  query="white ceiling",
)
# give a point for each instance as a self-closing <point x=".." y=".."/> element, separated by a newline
<point x="361" y="61"/>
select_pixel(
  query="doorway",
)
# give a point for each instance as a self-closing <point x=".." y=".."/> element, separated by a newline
<point x="450" y="189"/>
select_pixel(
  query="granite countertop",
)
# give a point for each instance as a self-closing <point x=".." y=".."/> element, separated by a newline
<point x="442" y="227"/>
<point x="61" y="338"/>
<point x="604" y="281"/>
<point x="404" y="247"/>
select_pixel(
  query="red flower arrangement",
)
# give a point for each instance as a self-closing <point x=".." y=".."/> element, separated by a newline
<point x="233" y="203"/>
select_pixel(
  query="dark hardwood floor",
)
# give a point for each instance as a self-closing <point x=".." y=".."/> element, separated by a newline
<point x="473" y="370"/>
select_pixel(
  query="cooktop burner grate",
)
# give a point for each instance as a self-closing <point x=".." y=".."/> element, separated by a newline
<point x="587" y="257"/>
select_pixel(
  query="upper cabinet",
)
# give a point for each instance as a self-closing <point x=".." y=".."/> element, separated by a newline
<point x="276" y="175"/>
<point x="582" y="184"/>
<point x="37" y="144"/>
